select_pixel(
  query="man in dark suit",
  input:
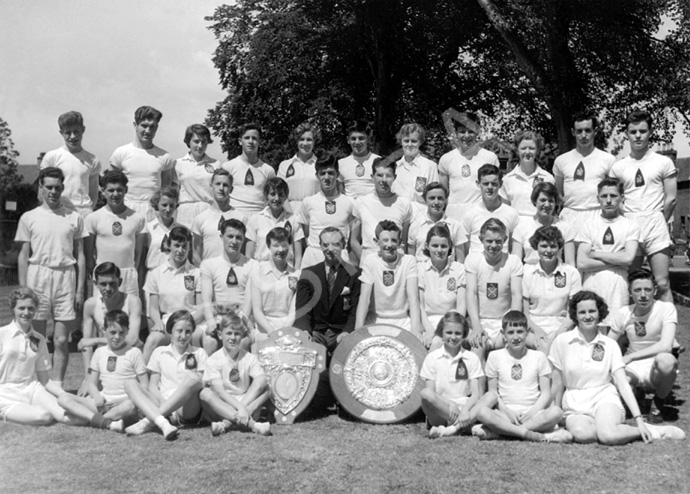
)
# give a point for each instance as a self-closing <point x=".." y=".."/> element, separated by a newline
<point x="328" y="293"/>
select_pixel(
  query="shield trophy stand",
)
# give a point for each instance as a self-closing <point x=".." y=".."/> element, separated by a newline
<point x="374" y="374"/>
<point x="292" y="364"/>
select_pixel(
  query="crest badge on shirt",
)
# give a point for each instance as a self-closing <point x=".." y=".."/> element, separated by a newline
<point x="189" y="282"/>
<point x="234" y="375"/>
<point x="608" y="237"/>
<point x="231" y="279"/>
<point x="33" y="343"/>
<point x="164" y="243"/>
<point x="516" y="372"/>
<point x="220" y="223"/>
<point x="598" y="352"/>
<point x="559" y="280"/>
<point x="461" y="373"/>
<point x="209" y="168"/>
<point x="640" y="328"/>
<point x="579" y="172"/>
<point x="330" y="207"/>
<point x="111" y="364"/>
<point x="420" y="184"/>
<point x="288" y="227"/>
<point x="190" y="362"/>
<point x="117" y="228"/>
<point x="292" y="283"/>
<point x="639" y="179"/>
<point x="290" y="171"/>
<point x="249" y="178"/>
<point x="359" y="171"/>
<point x="388" y="278"/>
<point x="466" y="171"/>
<point x="492" y="291"/>
<point x="452" y="285"/>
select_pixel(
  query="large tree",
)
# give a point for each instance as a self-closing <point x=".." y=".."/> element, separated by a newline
<point x="9" y="177"/>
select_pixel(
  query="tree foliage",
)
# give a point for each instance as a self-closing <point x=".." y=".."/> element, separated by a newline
<point x="9" y="177"/>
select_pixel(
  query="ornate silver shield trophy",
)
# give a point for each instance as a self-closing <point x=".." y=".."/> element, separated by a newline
<point x="292" y="365"/>
<point x="374" y="373"/>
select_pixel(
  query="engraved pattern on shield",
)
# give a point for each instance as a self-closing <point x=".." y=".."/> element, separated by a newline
<point x="380" y="372"/>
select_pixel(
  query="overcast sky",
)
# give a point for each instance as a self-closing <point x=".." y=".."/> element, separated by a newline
<point x="104" y="59"/>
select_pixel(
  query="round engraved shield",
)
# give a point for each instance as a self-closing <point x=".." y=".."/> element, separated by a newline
<point x="374" y="373"/>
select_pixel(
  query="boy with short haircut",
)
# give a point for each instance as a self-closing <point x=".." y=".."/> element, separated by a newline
<point x="650" y="328"/>
<point x="607" y="246"/>
<point x="392" y="278"/>
<point x="147" y="167"/>
<point x="81" y="168"/>
<point x="356" y="170"/>
<point x="494" y="286"/>
<point x="206" y="225"/>
<point x="107" y="405"/>
<point x="327" y="208"/>
<point x="650" y="188"/>
<point x="237" y="386"/>
<point x="249" y="172"/>
<point x="382" y="203"/>
<point x="116" y="233"/>
<point x="276" y="192"/>
<point x="518" y="401"/>
<point x="51" y="262"/>
<point x="489" y="182"/>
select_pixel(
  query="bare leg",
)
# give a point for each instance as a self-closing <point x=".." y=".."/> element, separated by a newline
<point x="436" y="408"/>
<point x="218" y="408"/>
<point x="664" y="373"/>
<point x="659" y="262"/>
<point x="582" y="427"/>
<point x="154" y="340"/>
<point x="28" y="415"/>
<point x="62" y="330"/>
<point x="545" y="420"/>
<point x="610" y="428"/>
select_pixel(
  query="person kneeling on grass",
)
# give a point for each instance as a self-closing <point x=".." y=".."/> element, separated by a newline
<point x="519" y="390"/>
<point x="237" y="384"/>
<point x="452" y="380"/>
<point x="173" y="391"/>
<point x="107" y="405"/>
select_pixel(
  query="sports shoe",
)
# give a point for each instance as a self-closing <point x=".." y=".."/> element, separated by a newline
<point x="170" y="432"/>
<point x="666" y="432"/>
<point x="484" y="433"/>
<point x="117" y="426"/>
<point x="559" y="436"/>
<point x="141" y="427"/>
<point x="262" y="428"/>
<point x="217" y="428"/>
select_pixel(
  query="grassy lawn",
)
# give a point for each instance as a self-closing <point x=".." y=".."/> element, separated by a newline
<point x="335" y="455"/>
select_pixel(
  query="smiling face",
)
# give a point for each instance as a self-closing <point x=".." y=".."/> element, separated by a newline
<point x="584" y="131"/>
<point x="197" y="146"/>
<point x="466" y="137"/>
<point x="547" y="250"/>
<point x="489" y="186"/>
<point x="181" y="335"/>
<point x="146" y="132"/>
<point x="436" y="202"/>
<point x="279" y="251"/>
<point x="493" y="244"/>
<point x="328" y="179"/>
<point x="515" y="336"/>
<point x="51" y="191"/>
<point x="305" y="143"/>
<point x="638" y="135"/>
<point x="452" y="336"/>
<point x="383" y="180"/>
<point x="388" y="243"/>
<point x="179" y="250"/>
<point x="610" y="200"/>
<point x="72" y="134"/>
<point x="439" y="248"/>
<point x="545" y="205"/>
<point x="527" y="151"/>
<point x="276" y="199"/>
<point x="232" y="241"/>
<point x="115" y="336"/>
<point x="231" y="337"/>
<point x="587" y="315"/>
<point x="642" y="292"/>
<point x="166" y="207"/>
<point x="250" y="142"/>
<point x="359" y="142"/>
<point x="222" y="188"/>
<point x="410" y="145"/>
<point x="24" y="312"/>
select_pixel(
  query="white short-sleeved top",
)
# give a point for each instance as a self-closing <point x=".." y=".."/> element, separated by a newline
<point x="143" y="168"/>
<point x="585" y="365"/>
<point x="277" y="288"/>
<point x="389" y="282"/>
<point x="319" y="212"/>
<point x="176" y="287"/>
<point x="477" y="215"/>
<point x="517" y="188"/>
<point x="21" y="355"/>
<point x="175" y="367"/>
<point x="263" y="222"/>
<point x="207" y="226"/>
<point x="608" y="235"/>
<point x="644" y="181"/>
<point x="156" y="233"/>
<point x="356" y="174"/>
<point x="236" y="374"/>
<point x="440" y="287"/>
<point x="581" y="175"/>
<point x="420" y="226"/>
<point x="518" y="378"/>
<point x="462" y="174"/>
<point x="494" y="282"/>
<point x="51" y="234"/>
<point x="248" y="184"/>
<point x="451" y="378"/>
<point x="643" y="331"/>
<point x="300" y="177"/>
<point x="526" y="228"/>
<point x="78" y="169"/>
<point x="413" y="177"/>
<point x="370" y="209"/>
<point x="548" y="294"/>
<point x="117" y="367"/>
<point x="229" y="279"/>
<point x="194" y="178"/>
<point x="115" y="235"/>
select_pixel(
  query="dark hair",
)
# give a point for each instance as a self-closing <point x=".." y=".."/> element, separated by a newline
<point x="547" y="234"/>
<point x="276" y="184"/>
<point x="411" y="128"/>
<point x="433" y="186"/>
<point x="387" y="226"/>
<point x="233" y="223"/>
<point x="489" y="169"/>
<point x="549" y="190"/>
<point x="106" y="269"/>
<point x="167" y="191"/>
<point x="51" y="172"/>
<point x="22" y="293"/>
<point x="328" y="160"/>
<point x="583" y="115"/>
<point x="514" y="318"/>
<point x="221" y="172"/>
<point x="454" y="318"/>
<point x="383" y="163"/>
<point x="332" y="229"/>
<point x="438" y="230"/>
<point x="361" y="127"/>
<point x="180" y="234"/>
<point x="147" y="113"/>
<point x="197" y="129"/>
<point x="307" y="127"/>
<point x="641" y="274"/>
<point x="583" y="296"/>
<point x="70" y="118"/>
<point x="610" y="182"/>
<point x="249" y="126"/>
<point x="116" y="316"/>
<point x="493" y="225"/>
<point x="279" y="234"/>
<point x="177" y="316"/>
<point x="637" y="116"/>
<point x="113" y="177"/>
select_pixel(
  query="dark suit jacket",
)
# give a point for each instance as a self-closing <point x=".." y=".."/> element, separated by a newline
<point x="316" y="311"/>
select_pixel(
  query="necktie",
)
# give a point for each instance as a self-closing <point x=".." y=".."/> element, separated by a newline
<point x="332" y="272"/>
